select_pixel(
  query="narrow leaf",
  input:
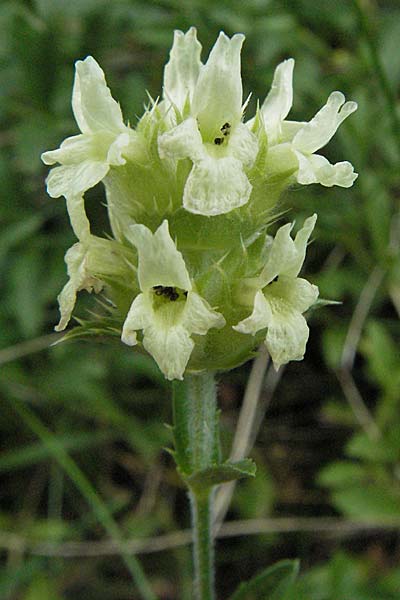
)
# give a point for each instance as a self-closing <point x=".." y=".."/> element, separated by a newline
<point x="221" y="473"/>
<point x="271" y="584"/>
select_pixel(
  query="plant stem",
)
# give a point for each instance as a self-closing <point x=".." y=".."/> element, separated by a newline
<point x="196" y="434"/>
<point x="203" y="547"/>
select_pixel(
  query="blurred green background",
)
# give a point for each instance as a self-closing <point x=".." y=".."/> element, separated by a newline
<point x="83" y="424"/>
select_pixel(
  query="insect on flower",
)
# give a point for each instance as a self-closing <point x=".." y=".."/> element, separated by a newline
<point x="167" y="291"/>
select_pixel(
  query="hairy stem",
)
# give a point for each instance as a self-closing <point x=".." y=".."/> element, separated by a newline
<point x="203" y="547"/>
<point x="196" y="435"/>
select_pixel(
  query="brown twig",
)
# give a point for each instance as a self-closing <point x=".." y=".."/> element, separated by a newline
<point x="251" y="417"/>
<point x="344" y="375"/>
<point x="244" y="435"/>
<point x="359" y="316"/>
<point x="329" y="525"/>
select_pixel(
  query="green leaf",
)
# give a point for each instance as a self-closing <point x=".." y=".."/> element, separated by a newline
<point x="340" y="474"/>
<point x="221" y="473"/>
<point x="14" y="576"/>
<point x="17" y="232"/>
<point x="272" y="584"/>
<point x="255" y="497"/>
<point x="42" y="589"/>
<point x="98" y="506"/>
<point x="368" y="502"/>
<point x="383" y="450"/>
<point x="33" y="453"/>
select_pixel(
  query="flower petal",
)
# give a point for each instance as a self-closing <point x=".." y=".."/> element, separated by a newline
<point x="279" y="101"/>
<point x="323" y="126"/>
<point x="281" y="161"/>
<point x="289" y="130"/>
<point x="74" y="180"/>
<point x="160" y="263"/>
<point x="79" y="279"/>
<point x="117" y="148"/>
<point x="76" y="149"/>
<point x="293" y="266"/>
<point x="281" y="253"/>
<point x="259" y="318"/>
<point x="218" y="95"/>
<point x="138" y="317"/>
<point x="287" y="336"/>
<point x="216" y="186"/>
<point x="183" y="68"/>
<point x="243" y="145"/>
<point x="299" y="293"/>
<point x="170" y="347"/>
<point x="198" y="316"/>
<point x="78" y="218"/>
<point x="317" y="169"/>
<point x="181" y="142"/>
<point x="94" y="107"/>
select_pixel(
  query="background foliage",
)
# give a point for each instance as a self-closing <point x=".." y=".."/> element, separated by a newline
<point x="81" y="417"/>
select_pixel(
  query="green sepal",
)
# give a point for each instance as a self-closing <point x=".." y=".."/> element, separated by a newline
<point x="222" y="473"/>
<point x="106" y="327"/>
<point x="271" y="584"/>
<point x="321" y="302"/>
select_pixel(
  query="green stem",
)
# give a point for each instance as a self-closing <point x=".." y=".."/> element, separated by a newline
<point x="203" y="547"/>
<point x="196" y="434"/>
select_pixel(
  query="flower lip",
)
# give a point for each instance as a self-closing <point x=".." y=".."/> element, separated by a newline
<point x="316" y="133"/>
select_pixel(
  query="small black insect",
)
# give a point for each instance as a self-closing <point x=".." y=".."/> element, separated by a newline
<point x="226" y="129"/>
<point x="275" y="279"/>
<point x="167" y="291"/>
<point x="218" y="141"/>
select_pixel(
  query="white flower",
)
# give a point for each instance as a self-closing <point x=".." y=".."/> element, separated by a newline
<point x="76" y="259"/>
<point x="168" y="310"/>
<point x="182" y="72"/>
<point x="209" y="100"/>
<point x="304" y="139"/>
<point x="89" y="261"/>
<point x="105" y="140"/>
<point x="80" y="278"/>
<point x="281" y="297"/>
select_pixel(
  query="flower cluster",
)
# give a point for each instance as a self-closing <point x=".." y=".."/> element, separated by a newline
<point x="192" y="275"/>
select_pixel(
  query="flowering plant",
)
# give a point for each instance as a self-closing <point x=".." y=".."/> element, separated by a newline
<point x="191" y="273"/>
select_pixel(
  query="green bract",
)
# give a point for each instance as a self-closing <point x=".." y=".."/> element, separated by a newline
<point x="191" y="274"/>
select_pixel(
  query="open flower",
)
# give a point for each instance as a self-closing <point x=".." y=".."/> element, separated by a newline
<point x="281" y="297"/>
<point x="76" y="258"/>
<point x="304" y="139"/>
<point x="105" y="140"/>
<point x="168" y="310"/>
<point x="209" y="100"/>
<point x="90" y="262"/>
<point x="80" y="278"/>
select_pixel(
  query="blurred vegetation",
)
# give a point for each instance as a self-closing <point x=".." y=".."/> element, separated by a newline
<point x="83" y="425"/>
